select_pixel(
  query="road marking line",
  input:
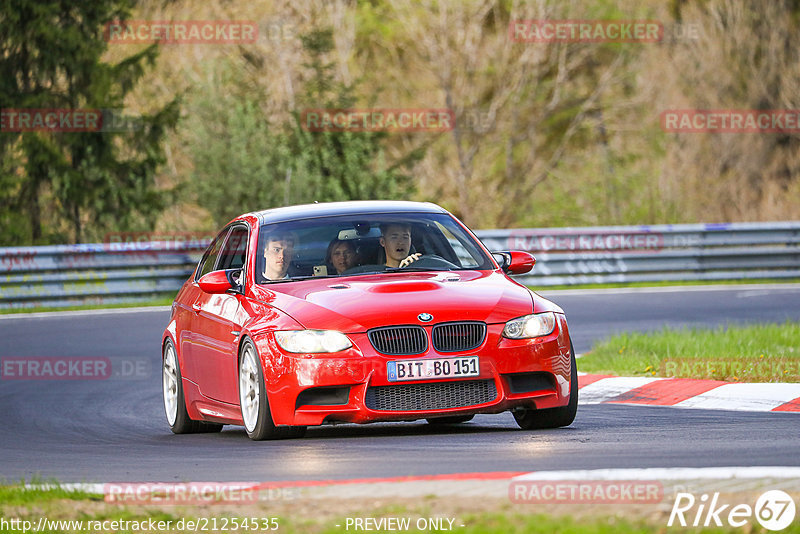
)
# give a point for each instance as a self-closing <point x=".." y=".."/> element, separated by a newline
<point x="745" y="397"/>
<point x="452" y="477"/>
<point x="608" y="388"/>
<point x="584" y="379"/>
<point x="79" y="313"/>
<point x="791" y="406"/>
<point x="689" y="393"/>
<point x="665" y="473"/>
<point x="667" y="392"/>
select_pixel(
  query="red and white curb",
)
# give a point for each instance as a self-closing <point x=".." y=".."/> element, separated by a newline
<point x="689" y="393"/>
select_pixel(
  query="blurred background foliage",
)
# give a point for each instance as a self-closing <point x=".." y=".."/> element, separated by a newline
<point x="551" y="134"/>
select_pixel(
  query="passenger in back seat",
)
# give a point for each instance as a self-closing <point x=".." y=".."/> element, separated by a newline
<point x="341" y="255"/>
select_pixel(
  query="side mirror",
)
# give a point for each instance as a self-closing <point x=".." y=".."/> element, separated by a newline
<point x="515" y="261"/>
<point x="215" y="282"/>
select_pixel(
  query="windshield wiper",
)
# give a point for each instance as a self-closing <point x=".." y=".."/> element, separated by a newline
<point x="413" y="269"/>
<point x="298" y="278"/>
<point x="311" y="276"/>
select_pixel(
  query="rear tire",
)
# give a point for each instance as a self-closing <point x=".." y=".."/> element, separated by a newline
<point x="530" y="419"/>
<point x="174" y="402"/>
<point x="253" y="400"/>
<point x="451" y="420"/>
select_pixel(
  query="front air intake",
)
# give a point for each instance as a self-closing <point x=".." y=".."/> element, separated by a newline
<point x="433" y="396"/>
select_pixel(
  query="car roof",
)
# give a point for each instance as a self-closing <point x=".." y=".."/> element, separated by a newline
<point x="354" y="207"/>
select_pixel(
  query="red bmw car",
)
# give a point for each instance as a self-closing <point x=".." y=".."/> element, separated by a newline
<point x="361" y="312"/>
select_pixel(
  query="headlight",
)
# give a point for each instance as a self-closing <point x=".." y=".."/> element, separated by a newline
<point x="310" y="341"/>
<point x="536" y="325"/>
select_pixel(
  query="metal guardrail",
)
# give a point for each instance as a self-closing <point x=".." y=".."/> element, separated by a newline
<point x="686" y="252"/>
<point x="67" y="275"/>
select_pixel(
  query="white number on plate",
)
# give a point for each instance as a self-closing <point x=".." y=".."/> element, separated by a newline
<point x="437" y="368"/>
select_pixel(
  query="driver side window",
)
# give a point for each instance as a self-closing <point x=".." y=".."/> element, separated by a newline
<point x="211" y="256"/>
<point x="233" y="254"/>
<point x="235" y="250"/>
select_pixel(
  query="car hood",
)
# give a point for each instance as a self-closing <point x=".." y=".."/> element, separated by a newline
<point x="358" y="303"/>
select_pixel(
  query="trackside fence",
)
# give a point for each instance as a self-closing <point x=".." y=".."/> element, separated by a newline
<point x="66" y="275"/>
<point x="672" y="253"/>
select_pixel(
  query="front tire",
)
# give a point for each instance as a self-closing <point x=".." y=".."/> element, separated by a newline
<point x="174" y="402"/>
<point x="253" y="400"/>
<point x="530" y="419"/>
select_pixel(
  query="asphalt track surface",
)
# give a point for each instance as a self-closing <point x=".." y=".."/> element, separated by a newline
<point x="115" y="430"/>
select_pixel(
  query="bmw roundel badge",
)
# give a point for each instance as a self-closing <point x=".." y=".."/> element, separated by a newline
<point x="425" y="317"/>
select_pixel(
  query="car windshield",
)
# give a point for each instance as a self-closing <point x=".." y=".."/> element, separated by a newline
<point x="361" y="244"/>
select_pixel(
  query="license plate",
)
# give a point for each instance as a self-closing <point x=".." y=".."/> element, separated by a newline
<point x="399" y="371"/>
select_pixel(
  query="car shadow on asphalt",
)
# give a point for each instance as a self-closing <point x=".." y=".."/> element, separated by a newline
<point x="403" y="429"/>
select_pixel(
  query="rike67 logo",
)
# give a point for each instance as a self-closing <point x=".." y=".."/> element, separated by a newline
<point x="774" y="510"/>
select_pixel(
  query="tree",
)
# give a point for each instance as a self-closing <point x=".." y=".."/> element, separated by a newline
<point x="244" y="162"/>
<point x="745" y="57"/>
<point x="520" y="108"/>
<point x="341" y="165"/>
<point x="239" y="162"/>
<point x="51" y="59"/>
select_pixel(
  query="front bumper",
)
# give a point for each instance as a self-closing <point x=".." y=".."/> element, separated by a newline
<point x="353" y="387"/>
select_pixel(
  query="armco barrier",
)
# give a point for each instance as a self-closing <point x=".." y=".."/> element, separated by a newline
<point x="686" y="252"/>
<point x="65" y="275"/>
<point x="73" y="274"/>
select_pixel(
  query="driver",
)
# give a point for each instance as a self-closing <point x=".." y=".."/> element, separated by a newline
<point x="278" y="255"/>
<point x="396" y="242"/>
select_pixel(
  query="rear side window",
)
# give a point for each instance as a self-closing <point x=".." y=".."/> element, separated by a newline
<point x="211" y="256"/>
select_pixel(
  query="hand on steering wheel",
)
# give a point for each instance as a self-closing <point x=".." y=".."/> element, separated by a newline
<point x="409" y="260"/>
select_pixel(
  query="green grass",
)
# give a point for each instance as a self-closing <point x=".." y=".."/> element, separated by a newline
<point x="545" y="524"/>
<point x="38" y="492"/>
<point x="756" y="353"/>
<point x="321" y="517"/>
<point x="519" y="523"/>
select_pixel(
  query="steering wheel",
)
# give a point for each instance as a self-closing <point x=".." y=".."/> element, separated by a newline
<point x="433" y="262"/>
